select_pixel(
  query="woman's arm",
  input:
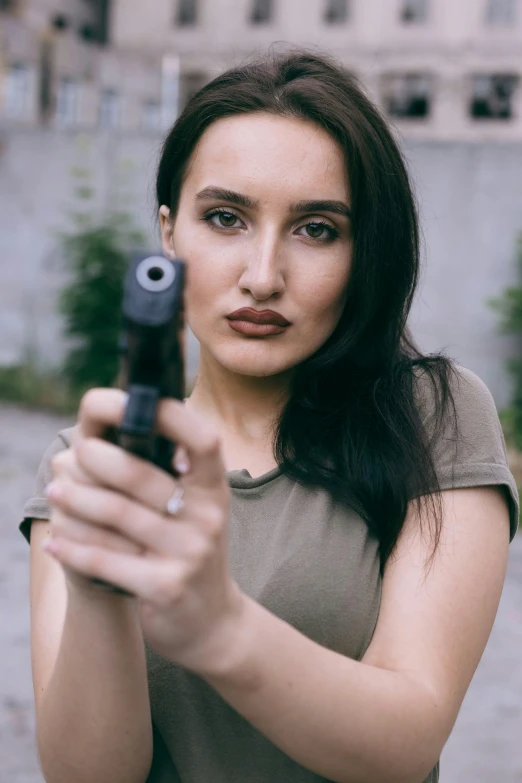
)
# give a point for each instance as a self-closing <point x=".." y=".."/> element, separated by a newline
<point x="389" y="716"/>
<point x="93" y="720"/>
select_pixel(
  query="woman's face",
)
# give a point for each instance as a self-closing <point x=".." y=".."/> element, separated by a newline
<point x="263" y="223"/>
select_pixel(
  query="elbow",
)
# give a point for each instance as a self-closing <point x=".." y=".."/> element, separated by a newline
<point x="421" y="751"/>
<point x="405" y="767"/>
<point x="412" y="773"/>
<point x="412" y="748"/>
<point x="392" y="771"/>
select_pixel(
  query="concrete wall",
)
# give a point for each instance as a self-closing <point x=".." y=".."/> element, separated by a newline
<point x="471" y="208"/>
<point x="38" y="191"/>
<point x="471" y="215"/>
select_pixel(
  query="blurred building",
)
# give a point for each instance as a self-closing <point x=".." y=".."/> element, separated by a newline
<point x="40" y="39"/>
<point x="442" y="69"/>
<point x="58" y="70"/>
<point x="87" y="88"/>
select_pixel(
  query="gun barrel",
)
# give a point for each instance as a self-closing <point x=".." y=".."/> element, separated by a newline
<point x="155" y="273"/>
<point x="154" y="351"/>
<point x="153" y="291"/>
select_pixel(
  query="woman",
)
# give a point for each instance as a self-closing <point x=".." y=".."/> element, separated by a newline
<point x="316" y="606"/>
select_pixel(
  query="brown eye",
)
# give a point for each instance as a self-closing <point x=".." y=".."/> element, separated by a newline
<point x="320" y="231"/>
<point x="315" y="230"/>
<point x="222" y="218"/>
<point x="226" y="219"/>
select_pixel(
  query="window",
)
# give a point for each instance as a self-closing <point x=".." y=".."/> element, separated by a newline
<point x="414" y="11"/>
<point x="336" y="11"/>
<point x="502" y="12"/>
<point x="261" y="12"/>
<point x="60" y="22"/>
<point x="17" y="91"/>
<point x="151" y="116"/>
<point x="109" y="109"/>
<point x="187" y="13"/>
<point x="45" y="96"/>
<point x="493" y="95"/>
<point x="67" y="103"/>
<point x="91" y="33"/>
<point x="408" y="95"/>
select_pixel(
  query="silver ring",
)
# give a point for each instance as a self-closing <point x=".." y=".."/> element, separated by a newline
<point x="176" y="504"/>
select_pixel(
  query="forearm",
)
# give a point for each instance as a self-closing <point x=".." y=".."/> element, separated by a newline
<point x="93" y="721"/>
<point x="345" y="720"/>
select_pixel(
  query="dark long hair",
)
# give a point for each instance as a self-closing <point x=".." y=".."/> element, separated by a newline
<point x="352" y="424"/>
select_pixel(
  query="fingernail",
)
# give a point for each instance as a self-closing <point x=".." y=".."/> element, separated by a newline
<point x="49" y="546"/>
<point x="182" y="464"/>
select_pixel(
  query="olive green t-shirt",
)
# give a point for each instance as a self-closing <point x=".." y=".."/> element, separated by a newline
<point x="314" y="564"/>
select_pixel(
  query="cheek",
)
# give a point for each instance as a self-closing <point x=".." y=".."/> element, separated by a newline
<point x="325" y="295"/>
<point x="207" y="270"/>
<point x="203" y="291"/>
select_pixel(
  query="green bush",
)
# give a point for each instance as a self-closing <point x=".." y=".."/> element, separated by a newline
<point x="97" y="257"/>
<point x="28" y="385"/>
<point x="95" y="252"/>
<point x="509" y="307"/>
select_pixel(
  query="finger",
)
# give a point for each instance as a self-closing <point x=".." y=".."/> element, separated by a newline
<point x="117" y="469"/>
<point x="64" y="525"/>
<point x="65" y="464"/>
<point x="203" y="444"/>
<point x="124" y="524"/>
<point x="99" y="409"/>
<point x="150" y="579"/>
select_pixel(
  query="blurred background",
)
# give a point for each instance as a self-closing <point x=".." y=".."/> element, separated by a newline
<point x="88" y="89"/>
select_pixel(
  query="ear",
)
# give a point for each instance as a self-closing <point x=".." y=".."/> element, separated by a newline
<point x="166" y="232"/>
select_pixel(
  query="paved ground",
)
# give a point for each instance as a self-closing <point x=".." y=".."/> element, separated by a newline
<point x="485" y="747"/>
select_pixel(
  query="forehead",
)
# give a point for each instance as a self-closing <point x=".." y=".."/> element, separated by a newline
<point x="263" y="153"/>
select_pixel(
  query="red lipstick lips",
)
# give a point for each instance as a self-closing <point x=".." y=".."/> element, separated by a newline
<point x="258" y="316"/>
<point x="257" y="323"/>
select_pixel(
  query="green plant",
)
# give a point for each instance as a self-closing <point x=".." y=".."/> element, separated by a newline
<point x="95" y="251"/>
<point x="26" y="384"/>
<point x="96" y="255"/>
<point x="509" y="307"/>
<point x="30" y="382"/>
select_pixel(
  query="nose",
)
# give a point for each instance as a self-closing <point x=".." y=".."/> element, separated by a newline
<point x="263" y="275"/>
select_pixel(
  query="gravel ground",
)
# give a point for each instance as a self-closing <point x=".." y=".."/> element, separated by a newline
<point x="485" y="746"/>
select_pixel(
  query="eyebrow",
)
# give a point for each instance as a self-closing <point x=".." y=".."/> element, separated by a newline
<point x="222" y="194"/>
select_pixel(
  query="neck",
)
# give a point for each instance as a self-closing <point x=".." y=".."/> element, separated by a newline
<point x="243" y="406"/>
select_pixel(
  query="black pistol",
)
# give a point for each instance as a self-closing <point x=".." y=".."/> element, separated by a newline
<point x="152" y="353"/>
<point x="152" y="357"/>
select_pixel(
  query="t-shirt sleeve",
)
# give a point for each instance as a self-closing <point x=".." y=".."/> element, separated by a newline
<point x="470" y="450"/>
<point x="37" y="507"/>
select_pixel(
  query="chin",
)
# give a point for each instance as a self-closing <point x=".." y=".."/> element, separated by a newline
<point x="255" y="363"/>
<point x="253" y="369"/>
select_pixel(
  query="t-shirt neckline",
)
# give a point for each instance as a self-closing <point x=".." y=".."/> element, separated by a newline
<point x="241" y="479"/>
